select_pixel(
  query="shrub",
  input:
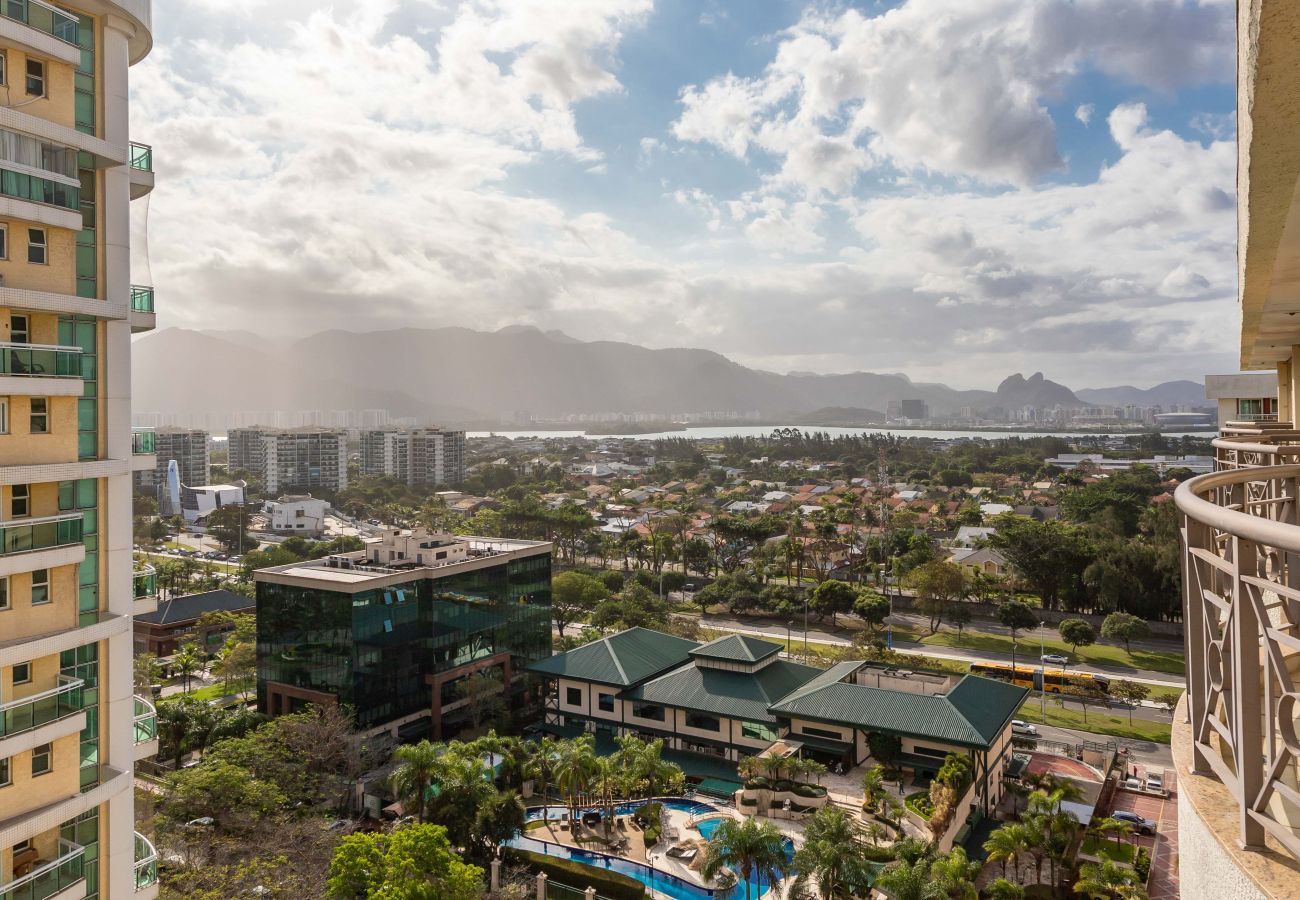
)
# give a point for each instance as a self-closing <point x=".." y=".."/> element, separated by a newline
<point x="578" y="876"/>
<point x="1142" y="865"/>
<point x="759" y="783"/>
<point x="784" y="784"/>
<point x="612" y="580"/>
<point x="648" y="817"/>
<point x="809" y="790"/>
<point x="749" y="801"/>
<point x="919" y="803"/>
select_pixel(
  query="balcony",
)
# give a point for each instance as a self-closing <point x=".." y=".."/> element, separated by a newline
<point x="47" y="533"/>
<point x="141" y="298"/>
<point x="144" y="583"/>
<point x="145" y="722"/>
<point x="1241" y="608"/>
<point x="143" y="441"/>
<point x="30" y="713"/>
<point x="51" y="878"/>
<point x="40" y="360"/>
<point x="141" y="157"/>
<point x="146" y="863"/>
<point x="42" y="17"/>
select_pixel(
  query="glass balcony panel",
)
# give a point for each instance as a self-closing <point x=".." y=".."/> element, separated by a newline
<point x="146" y="583"/>
<point x="51" y="878"/>
<point x="41" y="709"/>
<point x="141" y="298"/>
<point x="25" y="536"/>
<point x="141" y="157"/>
<point x="146" y="863"/>
<point x="143" y="441"/>
<point x="42" y="17"/>
<point x="146" y="720"/>
<point x="40" y="360"/>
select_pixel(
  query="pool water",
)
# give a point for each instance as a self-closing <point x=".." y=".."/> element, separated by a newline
<point x="662" y="882"/>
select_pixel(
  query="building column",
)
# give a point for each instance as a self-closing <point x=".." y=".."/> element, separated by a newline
<point x="1293" y="387"/>
<point x="1283" y="390"/>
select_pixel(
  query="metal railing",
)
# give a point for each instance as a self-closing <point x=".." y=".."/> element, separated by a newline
<point x="144" y="441"/>
<point x="43" y="360"/>
<point x="146" y="863"/>
<point x="145" y="583"/>
<point x="146" y="720"/>
<point x="141" y="298"/>
<point x="28" y="535"/>
<point x="1241" y="614"/>
<point x="50" y="879"/>
<point x="18" y="716"/>
<point x="141" y="157"/>
<point x="42" y="17"/>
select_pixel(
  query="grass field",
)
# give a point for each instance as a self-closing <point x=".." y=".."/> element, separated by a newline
<point x="1124" y="853"/>
<point x="206" y="694"/>
<point x="1169" y="661"/>
<point x="1098" y="721"/>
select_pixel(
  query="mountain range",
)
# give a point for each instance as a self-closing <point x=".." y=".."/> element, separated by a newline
<point x="457" y="376"/>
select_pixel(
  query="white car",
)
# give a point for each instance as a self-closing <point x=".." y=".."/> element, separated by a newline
<point x="1056" y="659"/>
<point x="1019" y="727"/>
<point x="1155" y="782"/>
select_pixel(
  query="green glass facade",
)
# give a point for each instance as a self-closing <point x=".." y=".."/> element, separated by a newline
<point x="373" y="649"/>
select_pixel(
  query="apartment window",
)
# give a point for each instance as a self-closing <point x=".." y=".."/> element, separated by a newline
<point x="20" y="329"/>
<point x="573" y="696"/>
<point x="4" y="592"/>
<point x="5" y="781"/>
<point x="40" y="760"/>
<point x="648" y="711"/>
<point x="606" y="703"/>
<point x="822" y="732"/>
<point x="35" y="78"/>
<point x="22" y="845"/>
<point x="757" y="731"/>
<point x="37" y="250"/>
<point x="40" y="587"/>
<point x="4" y="415"/>
<point x="20" y="501"/>
<point x="40" y="415"/>
<point x="702" y="722"/>
<point x="22" y="673"/>
<point x="4" y="238"/>
<point x="4" y="68"/>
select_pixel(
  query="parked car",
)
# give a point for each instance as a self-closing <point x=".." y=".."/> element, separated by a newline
<point x="1155" y="782"/>
<point x="1056" y="659"/>
<point x="1019" y="727"/>
<point x="1133" y="782"/>
<point x="1140" y="825"/>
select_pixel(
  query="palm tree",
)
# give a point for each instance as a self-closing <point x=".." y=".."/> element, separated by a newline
<point x="955" y="875"/>
<point x="187" y="661"/>
<point x="420" y="764"/>
<point x="830" y="863"/>
<point x="1106" y="880"/>
<point x="873" y="785"/>
<point x="1103" y="827"/>
<point x="1005" y="846"/>
<point x="753" y="849"/>
<point x="540" y="764"/>
<point x="1001" y="889"/>
<point x="909" y="881"/>
<point x="574" y="771"/>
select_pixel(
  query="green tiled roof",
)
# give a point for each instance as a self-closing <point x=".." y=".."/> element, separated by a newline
<point x="622" y="659"/>
<point x="972" y="714"/>
<point x="737" y="648"/>
<point x="736" y="695"/>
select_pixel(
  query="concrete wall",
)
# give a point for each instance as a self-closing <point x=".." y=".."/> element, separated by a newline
<point x="1204" y="869"/>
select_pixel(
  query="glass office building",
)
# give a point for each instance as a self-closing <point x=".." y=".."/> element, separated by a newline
<point x="395" y="643"/>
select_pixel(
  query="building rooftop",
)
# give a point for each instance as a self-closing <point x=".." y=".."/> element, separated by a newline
<point x="737" y="648"/>
<point x="190" y="606"/>
<point x="737" y="695"/>
<point x="624" y="659"/>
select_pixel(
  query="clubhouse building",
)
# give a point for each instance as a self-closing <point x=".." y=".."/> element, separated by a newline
<point x="735" y="696"/>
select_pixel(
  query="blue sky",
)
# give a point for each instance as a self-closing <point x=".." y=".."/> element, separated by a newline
<point x="955" y="189"/>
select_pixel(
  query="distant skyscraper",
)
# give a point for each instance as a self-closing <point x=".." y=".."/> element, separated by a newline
<point x="291" y="459"/>
<point x="188" y="447"/>
<point x="417" y="456"/>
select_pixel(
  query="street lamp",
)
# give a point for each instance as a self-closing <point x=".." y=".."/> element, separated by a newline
<point x="1042" y="671"/>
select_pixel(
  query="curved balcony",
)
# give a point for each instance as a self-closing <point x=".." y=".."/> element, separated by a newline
<point x="141" y="298"/>
<point x="146" y="720"/>
<point x="146" y="863"/>
<point x="1241" y="603"/>
<point x="43" y="17"/>
<point x="51" y="878"/>
<point x="144" y="585"/>
<point x="144" y="441"/>
<point x="46" y="533"/>
<point x="30" y="713"/>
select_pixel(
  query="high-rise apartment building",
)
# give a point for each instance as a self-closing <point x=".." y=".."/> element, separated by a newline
<point x="291" y="459"/>
<point x="70" y="728"/>
<point x="189" y="447"/>
<point x="1236" y="734"/>
<point x="415" y="456"/>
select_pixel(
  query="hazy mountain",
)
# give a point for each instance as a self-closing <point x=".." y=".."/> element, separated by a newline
<point x="1170" y="393"/>
<point x="456" y="375"/>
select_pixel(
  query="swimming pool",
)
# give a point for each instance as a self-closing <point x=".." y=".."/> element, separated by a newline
<point x="662" y="882"/>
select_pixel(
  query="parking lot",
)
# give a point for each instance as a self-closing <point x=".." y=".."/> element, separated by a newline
<point x="1163" y="846"/>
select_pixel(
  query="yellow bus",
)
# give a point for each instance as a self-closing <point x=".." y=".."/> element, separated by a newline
<point x="1052" y="680"/>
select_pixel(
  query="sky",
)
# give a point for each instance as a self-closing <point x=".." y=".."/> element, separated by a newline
<point x="954" y="189"/>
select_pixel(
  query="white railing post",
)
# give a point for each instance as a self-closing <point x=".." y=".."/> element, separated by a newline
<point x="541" y="886"/>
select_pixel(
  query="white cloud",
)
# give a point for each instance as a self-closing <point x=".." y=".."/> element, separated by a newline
<point x="1084" y="113"/>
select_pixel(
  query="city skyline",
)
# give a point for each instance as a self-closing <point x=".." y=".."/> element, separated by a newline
<point x="800" y="187"/>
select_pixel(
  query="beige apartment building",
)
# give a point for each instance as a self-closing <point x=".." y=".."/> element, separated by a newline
<point x="1236" y="736"/>
<point x="70" y="728"/>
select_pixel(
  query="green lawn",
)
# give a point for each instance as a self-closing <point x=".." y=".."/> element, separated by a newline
<point x="211" y="692"/>
<point x="1124" y="853"/>
<point x="1170" y="661"/>
<point x="1099" y="721"/>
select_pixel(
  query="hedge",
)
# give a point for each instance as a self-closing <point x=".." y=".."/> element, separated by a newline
<point x="809" y="790"/>
<point x="578" y="876"/>
<point x="649" y="816"/>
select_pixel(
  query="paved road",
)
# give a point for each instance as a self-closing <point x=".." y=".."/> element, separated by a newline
<point x="818" y="635"/>
<point x="1145" y="753"/>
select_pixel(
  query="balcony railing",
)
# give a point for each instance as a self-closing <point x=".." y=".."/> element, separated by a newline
<point x="145" y="583"/>
<point x="146" y="720"/>
<point x="42" y="17"/>
<point x="43" y="360"/>
<point x="146" y="863"/>
<point x="141" y="157"/>
<point x="18" y="716"/>
<point x="51" y="878"/>
<point x="28" y="535"/>
<point x="143" y="441"/>
<point x="141" y="298"/>
<point x="1241" y="616"/>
